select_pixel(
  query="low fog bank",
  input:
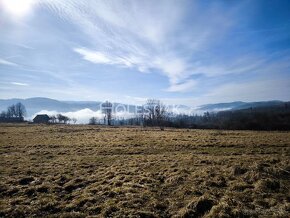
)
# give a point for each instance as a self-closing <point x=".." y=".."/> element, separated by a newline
<point x="85" y="114"/>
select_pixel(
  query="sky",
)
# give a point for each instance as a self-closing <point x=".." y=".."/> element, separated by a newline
<point x="182" y="52"/>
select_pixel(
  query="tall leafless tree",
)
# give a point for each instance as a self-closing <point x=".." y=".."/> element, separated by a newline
<point x="53" y="118"/>
<point x="155" y="113"/>
<point x="107" y="109"/>
<point x="11" y="111"/>
<point x="150" y="111"/>
<point x="160" y="111"/>
<point x="20" y="110"/>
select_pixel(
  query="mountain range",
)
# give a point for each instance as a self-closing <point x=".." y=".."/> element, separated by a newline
<point x="34" y="105"/>
<point x="239" y="105"/>
<point x="37" y="104"/>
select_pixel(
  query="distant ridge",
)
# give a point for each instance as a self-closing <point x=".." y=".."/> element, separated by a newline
<point x="237" y="105"/>
<point x="34" y="105"/>
<point x="37" y="104"/>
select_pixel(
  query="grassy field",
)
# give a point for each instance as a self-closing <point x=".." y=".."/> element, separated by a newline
<point x="80" y="171"/>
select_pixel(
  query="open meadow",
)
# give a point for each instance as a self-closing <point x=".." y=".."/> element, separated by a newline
<point x="82" y="170"/>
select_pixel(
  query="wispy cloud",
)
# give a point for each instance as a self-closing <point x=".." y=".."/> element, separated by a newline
<point x="189" y="85"/>
<point x="101" y="58"/>
<point x="185" y="48"/>
<point x="9" y="63"/>
<point x="19" y="84"/>
<point x="250" y="91"/>
<point x="95" y="57"/>
<point x="83" y="116"/>
<point x="141" y="35"/>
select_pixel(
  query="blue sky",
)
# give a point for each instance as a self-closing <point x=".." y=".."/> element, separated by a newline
<point x="182" y="52"/>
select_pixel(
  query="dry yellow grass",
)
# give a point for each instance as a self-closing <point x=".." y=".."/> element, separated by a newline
<point x="78" y="171"/>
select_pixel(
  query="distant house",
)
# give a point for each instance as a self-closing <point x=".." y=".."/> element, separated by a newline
<point x="41" y="118"/>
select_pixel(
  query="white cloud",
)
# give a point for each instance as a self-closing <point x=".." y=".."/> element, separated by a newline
<point x="5" y="62"/>
<point x="174" y="38"/>
<point x="243" y="65"/>
<point x="187" y="86"/>
<point x="142" y="35"/>
<point x="94" y="56"/>
<point x="102" y="58"/>
<point x="83" y="116"/>
<point x="19" y="84"/>
<point x="175" y="68"/>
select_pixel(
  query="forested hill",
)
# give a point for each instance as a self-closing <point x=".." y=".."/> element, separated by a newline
<point x="276" y="117"/>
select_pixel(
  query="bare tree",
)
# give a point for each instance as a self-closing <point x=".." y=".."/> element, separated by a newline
<point x="15" y="111"/>
<point x="107" y="109"/>
<point x="11" y="111"/>
<point x="3" y="114"/>
<point x="59" y="117"/>
<point x="160" y="112"/>
<point x="20" y="110"/>
<point x="93" y="121"/>
<point x="155" y="113"/>
<point x="62" y="119"/>
<point x="53" y="118"/>
<point x="150" y="111"/>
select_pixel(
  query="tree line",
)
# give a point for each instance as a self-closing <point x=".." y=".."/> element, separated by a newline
<point x="154" y="113"/>
<point x="14" y="113"/>
<point x="17" y="112"/>
<point x="59" y="118"/>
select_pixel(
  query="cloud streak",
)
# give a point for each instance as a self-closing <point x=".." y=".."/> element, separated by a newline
<point x="141" y="35"/>
<point x="85" y="114"/>
<point x="251" y="91"/>
<point x="19" y="84"/>
<point x="8" y="63"/>
<point x="189" y="85"/>
<point x="173" y="49"/>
